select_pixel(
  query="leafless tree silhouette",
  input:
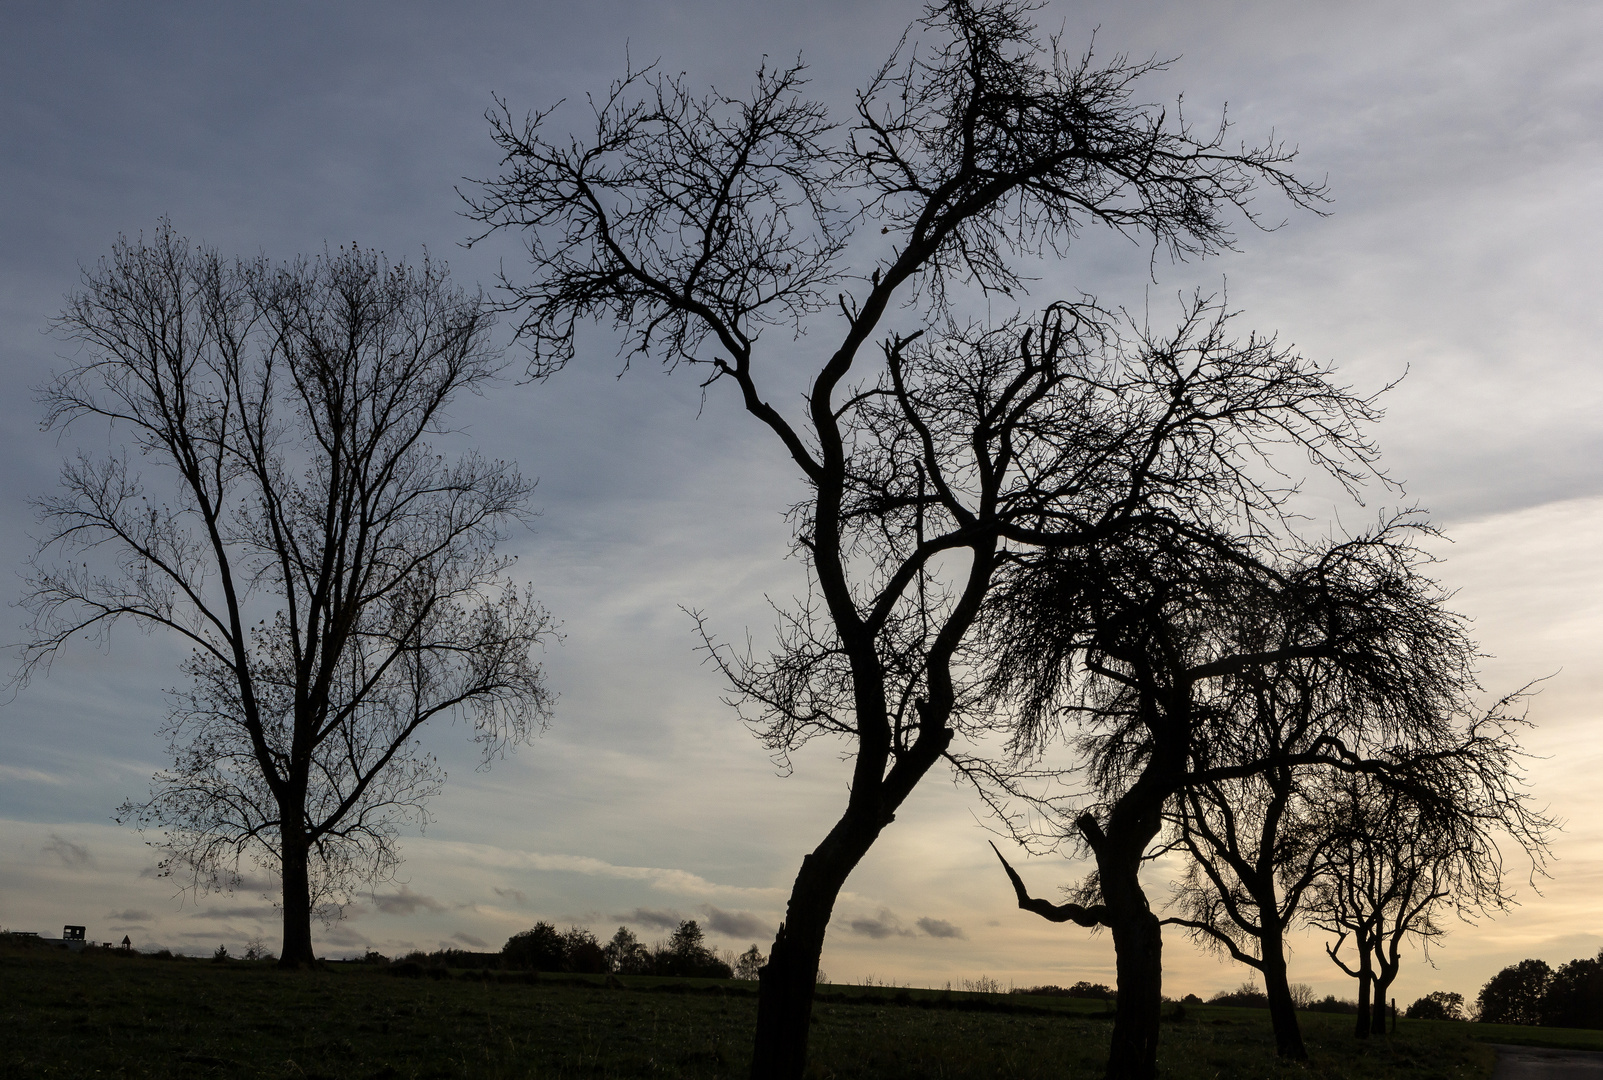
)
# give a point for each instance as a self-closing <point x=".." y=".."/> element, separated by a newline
<point x="1152" y="659"/>
<point x="929" y="444"/>
<point x="337" y="579"/>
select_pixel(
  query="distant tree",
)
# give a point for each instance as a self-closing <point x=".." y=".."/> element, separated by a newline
<point x="540" y="948"/>
<point x="1245" y="996"/>
<point x="625" y="954"/>
<point x="1574" y="995"/>
<point x="582" y="953"/>
<point x="686" y="954"/>
<point x="1302" y="995"/>
<point x="749" y="963"/>
<point x="337" y="580"/>
<point x="1098" y="991"/>
<point x="1437" y="1005"/>
<point x="1514" y="995"/>
<point x="693" y="224"/>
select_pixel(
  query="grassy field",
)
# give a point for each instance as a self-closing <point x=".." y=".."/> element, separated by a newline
<point x="104" y="1015"/>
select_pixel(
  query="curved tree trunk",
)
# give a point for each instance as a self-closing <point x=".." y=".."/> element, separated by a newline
<point x="1282" y="1010"/>
<point x="785" y="984"/>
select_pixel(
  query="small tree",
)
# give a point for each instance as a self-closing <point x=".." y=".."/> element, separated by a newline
<point x="625" y="954"/>
<point x="749" y="963"/>
<point x="337" y="580"/>
<point x="686" y="953"/>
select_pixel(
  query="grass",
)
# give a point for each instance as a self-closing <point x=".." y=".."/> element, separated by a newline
<point x="96" y="1014"/>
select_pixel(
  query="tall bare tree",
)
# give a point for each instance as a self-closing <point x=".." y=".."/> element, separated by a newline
<point x="694" y="223"/>
<point x="337" y="579"/>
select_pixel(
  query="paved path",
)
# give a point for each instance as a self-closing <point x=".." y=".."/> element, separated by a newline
<point x="1541" y="1063"/>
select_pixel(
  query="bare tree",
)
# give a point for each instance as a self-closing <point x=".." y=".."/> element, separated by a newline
<point x="693" y="223"/>
<point x="1150" y="654"/>
<point x="1407" y="846"/>
<point x="337" y="580"/>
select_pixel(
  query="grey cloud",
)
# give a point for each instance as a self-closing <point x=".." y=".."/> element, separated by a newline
<point x="74" y="856"/>
<point x="240" y="911"/>
<point x="661" y="920"/>
<point x="405" y="902"/>
<point x="132" y="915"/>
<point x="736" y="924"/>
<point x="469" y="939"/>
<point x="884" y="925"/>
<point x="940" y="928"/>
<point x="343" y="935"/>
<point x="517" y="896"/>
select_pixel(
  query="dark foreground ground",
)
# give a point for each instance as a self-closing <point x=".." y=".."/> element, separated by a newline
<point x="105" y="1015"/>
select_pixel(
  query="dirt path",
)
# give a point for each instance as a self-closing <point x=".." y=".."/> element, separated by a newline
<point x="1541" y="1063"/>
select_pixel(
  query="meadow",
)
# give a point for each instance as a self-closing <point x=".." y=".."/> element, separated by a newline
<point x="104" y="1014"/>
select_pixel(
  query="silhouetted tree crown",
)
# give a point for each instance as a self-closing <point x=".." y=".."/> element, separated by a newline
<point x="337" y="580"/>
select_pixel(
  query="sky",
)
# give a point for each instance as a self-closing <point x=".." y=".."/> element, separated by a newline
<point x="1464" y="154"/>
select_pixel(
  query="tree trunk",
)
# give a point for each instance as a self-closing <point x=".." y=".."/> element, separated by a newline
<point x="1282" y="1011"/>
<point x="1138" y="947"/>
<point x="785" y="984"/>
<point x="1377" y="1008"/>
<point x="297" y="950"/>
<point x="1138" y="954"/>
<point x="1361" y="1026"/>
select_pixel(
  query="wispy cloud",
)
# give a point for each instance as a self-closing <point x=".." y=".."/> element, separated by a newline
<point x="73" y="856"/>
<point x="239" y="911"/>
<point x="516" y="896"/>
<point x="940" y="928"/>
<point x="132" y="915"/>
<point x="22" y="774"/>
<point x="406" y="902"/>
<point x="470" y="940"/>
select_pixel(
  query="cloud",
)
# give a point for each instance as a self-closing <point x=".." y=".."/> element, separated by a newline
<point x="405" y="902"/>
<point x="517" y="896"/>
<point x="241" y="911"/>
<point x="669" y="880"/>
<point x="73" y="856"/>
<point x="940" y="928"/>
<point x="884" y="925"/>
<point x="469" y="939"/>
<point x="661" y="920"/>
<point x="132" y="915"/>
<point x="32" y="776"/>
<point x="736" y="924"/>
